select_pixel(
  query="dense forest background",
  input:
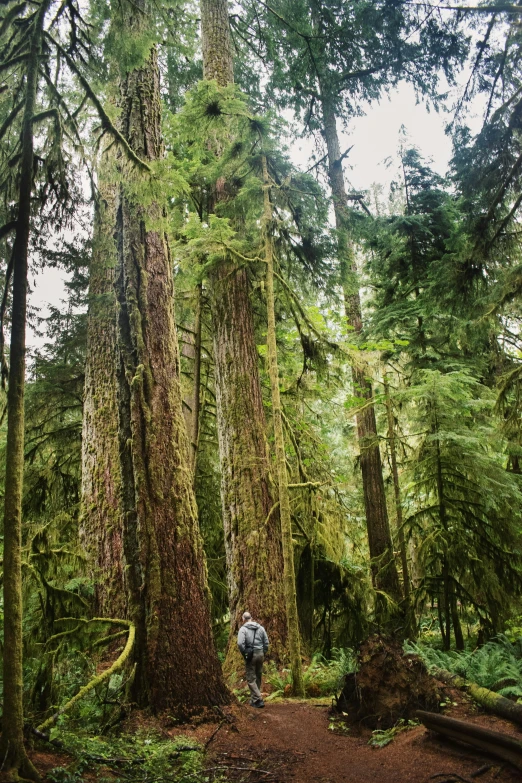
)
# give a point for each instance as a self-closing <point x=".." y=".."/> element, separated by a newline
<point x="265" y="391"/>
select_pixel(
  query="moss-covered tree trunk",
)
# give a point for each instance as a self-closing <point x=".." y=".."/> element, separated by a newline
<point x="384" y="569"/>
<point x="392" y="444"/>
<point x="12" y="752"/>
<point x="397" y="489"/>
<point x="294" y="642"/>
<point x="251" y="523"/>
<point x="196" y="393"/>
<point x="102" y="520"/>
<point x="177" y="664"/>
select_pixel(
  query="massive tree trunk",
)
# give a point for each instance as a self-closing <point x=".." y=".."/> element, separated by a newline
<point x="177" y="664"/>
<point x="101" y="520"/>
<point x="384" y="569"/>
<point x="251" y="523"/>
<point x="294" y="642"/>
<point x="14" y="758"/>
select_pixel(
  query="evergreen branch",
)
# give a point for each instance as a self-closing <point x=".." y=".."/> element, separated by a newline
<point x="500" y="194"/>
<point x="13" y="61"/>
<point x="506" y="220"/>
<point x="7" y="228"/>
<point x="45" y="115"/>
<point x="322" y="160"/>
<point x="475" y="9"/>
<point x="16" y="10"/>
<point x="11" y="118"/>
<point x="70" y="117"/>
<point x="107" y="124"/>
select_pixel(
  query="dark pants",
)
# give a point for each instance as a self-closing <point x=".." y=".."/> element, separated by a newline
<point x="254" y="672"/>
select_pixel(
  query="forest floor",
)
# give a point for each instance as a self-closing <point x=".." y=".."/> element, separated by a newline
<point x="292" y="741"/>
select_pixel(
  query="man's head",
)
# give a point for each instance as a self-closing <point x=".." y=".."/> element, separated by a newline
<point x="246" y="617"/>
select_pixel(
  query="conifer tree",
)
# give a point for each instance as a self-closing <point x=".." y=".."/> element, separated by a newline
<point x="177" y="665"/>
<point x="16" y="762"/>
<point x="252" y="527"/>
<point x="282" y="477"/>
<point x="102" y="520"/>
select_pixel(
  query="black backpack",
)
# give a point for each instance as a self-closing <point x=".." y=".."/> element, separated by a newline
<point x="249" y="648"/>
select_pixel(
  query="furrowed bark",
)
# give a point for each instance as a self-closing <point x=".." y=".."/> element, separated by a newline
<point x="294" y="643"/>
<point x="384" y="569"/>
<point x="177" y="664"/>
<point x="14" y="758"/>
<point x="101" y="528"/>
<point x="251" y="525"/>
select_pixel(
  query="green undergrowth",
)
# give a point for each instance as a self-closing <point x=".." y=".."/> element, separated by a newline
<point x="496" y="665"/>
<point x="382" y="737"/>
<point x="143" y="757"/>
<point x="322" y="677"/>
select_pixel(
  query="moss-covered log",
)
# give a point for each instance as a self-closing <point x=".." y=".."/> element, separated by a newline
<point x="118" y="664"/>
<point x="494" y="702"/>
<point x="492" y="742"/>
<point x="252" y="533"/>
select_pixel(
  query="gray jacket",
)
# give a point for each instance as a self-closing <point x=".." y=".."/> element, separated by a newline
<point x="246" y="636"/>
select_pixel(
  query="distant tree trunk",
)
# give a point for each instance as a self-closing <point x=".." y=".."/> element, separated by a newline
<point x="101" y="526"/>
<point x="384" y="569"/>
<point x="294" y="642"/>
<point x="177" y="664"/>
<point x="408" y="608"/>
<point x="446" y="576"/>
<point x="457" y="627"/>
<point x="12" y="752"/>
<point x="397" y="490"/>
<point x="250" y="517"/>
<point x="196" y="395"/>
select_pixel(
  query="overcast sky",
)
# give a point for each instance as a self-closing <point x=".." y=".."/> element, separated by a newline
<point x="375" y="138"/>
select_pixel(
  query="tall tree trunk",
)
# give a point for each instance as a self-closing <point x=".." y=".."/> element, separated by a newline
<point x="196" y="395"/>
<point x="384" y="570"/>
<point x="408" y="608"/>
<point x="294" y="643"/>
<point x="397" y="490"/>
<point x="12" y="751"/>
<point x="251" y="522"/>
<point x="101" y="526"/>
<point x="446" y="576"/>
<point x="177" y="664"/>
<point x="457" y="627"/>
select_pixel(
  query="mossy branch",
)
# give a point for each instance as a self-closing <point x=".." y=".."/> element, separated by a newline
<point x="116" y="666"/>
<point x="104" y="117"/>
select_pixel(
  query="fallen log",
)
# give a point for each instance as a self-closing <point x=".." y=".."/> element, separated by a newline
<point x="493" y="743"/>
<point x="494" y="702"/>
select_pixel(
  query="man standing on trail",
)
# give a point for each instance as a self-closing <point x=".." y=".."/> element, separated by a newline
<point x="252" y="641"/>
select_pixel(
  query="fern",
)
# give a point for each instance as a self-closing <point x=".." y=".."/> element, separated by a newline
<point x="497" y="665"/>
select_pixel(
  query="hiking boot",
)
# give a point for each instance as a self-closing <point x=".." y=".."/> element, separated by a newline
<point x="258" y="704"/>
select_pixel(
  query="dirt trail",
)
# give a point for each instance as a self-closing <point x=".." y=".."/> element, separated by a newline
<point x="291" y="741"/>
